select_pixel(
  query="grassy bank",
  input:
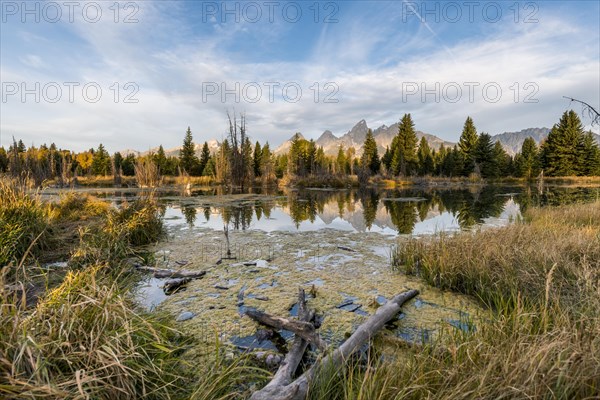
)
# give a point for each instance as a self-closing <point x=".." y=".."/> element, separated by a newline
<point x="541" y="279"/>
<point x="83" y="336"/>
<point x="319" y="181"/>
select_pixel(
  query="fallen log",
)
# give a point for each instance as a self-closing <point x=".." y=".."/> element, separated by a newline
<point x="172" y="285"/>
<point x="281" y="388"/>
<point x="283" y="376"/>
<point x="304" y="329"/>
<point x="170" y="273"/>
<point x="346" y="249"/>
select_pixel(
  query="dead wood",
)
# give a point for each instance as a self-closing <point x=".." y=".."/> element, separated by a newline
<point x="170" y="273"/>
<point x="281" y="387"/>
<point x="304" y="329"/>
<point x="172" y="285"/>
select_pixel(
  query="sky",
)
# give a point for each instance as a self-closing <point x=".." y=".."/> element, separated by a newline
<point x="133" y="75"/>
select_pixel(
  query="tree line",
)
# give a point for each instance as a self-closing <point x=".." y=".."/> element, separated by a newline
<point x="567" y="151"/>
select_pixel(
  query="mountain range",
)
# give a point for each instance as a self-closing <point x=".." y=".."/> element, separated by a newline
<point x="355" y="137"/>
<point x="383" y="135"/>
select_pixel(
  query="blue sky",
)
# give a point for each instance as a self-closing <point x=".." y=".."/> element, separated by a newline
<point x="380" y="60"/>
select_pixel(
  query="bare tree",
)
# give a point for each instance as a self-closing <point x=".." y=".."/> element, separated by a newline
<point x="237" y="157"/>
<point x="588" y="110"/>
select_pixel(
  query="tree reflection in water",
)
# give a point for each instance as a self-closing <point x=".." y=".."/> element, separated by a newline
<point x="400" y="208"/>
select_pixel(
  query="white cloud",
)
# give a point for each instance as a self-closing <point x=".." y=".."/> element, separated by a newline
<point x="369" y="62"/>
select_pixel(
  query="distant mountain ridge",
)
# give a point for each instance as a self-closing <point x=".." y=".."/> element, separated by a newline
<point x="513" y="141"/>
<point x="383" y="135"/>
<point x="355" y="137"/>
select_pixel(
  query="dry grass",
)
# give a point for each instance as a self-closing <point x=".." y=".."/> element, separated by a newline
<point x="84" y="340"/>
<point x="542" y="279"/>
<point x="24" y="221"/>
<point x="79" y="207"/>
<point x="147" y="173"/>
<point x="84" y="337"/>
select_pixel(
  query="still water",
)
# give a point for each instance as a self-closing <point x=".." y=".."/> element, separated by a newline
<point x="334" y="243"/>
<point x="398" y="211"/>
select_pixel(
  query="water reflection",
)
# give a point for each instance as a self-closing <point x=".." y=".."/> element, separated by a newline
<point x="387" y="211"/>
<point x="397" y="211"/>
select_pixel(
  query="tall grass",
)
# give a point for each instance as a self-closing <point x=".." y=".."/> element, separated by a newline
<point x="134" y="224"/>
<point x="147" y="173"/>
<point x="223" y="379"/>
<point x="85" y="337"/>
<point x="79" y="207"/>
<point x="84" y="340"/>
<point x="541" y="278"/>
<point x="24" y="220"/>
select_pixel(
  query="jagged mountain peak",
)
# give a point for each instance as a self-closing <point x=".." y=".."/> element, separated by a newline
<point x="358" y="133"/>
<point x="327" y="135"/>
<point x="356" y="136"/>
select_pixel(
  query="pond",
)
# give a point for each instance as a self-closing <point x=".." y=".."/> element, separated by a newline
<point x="336" y="244"/>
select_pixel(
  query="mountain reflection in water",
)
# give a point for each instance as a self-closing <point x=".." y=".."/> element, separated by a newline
<point x="404" y="211"/>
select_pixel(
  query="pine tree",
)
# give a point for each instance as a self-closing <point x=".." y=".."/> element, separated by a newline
<point x="340" y="161"/>
<point x="266" y="163"/>
<point x="370" y="156"/>
<point x="117" y="161"/>
<point x="562" y="152"/>
<point x="591" y="150"/>
<point x="209" y="168"/>
<point x="204" y="158"/>
<point x="404" y="160"/>
<point x="351" y="161"/>
<point x="3" y="160"/>
<point x="440" y="155"/>
<point x="247" y="167"/>
<point x="484" y="156"/>
<point x="502" y="160"/>
<point x="296" y="162"/>
<point x="101" y="162"/>
<point x="222" y="172"/>
<point x="467" y="145"/>
<point x="311" y="155"/>
<point x="281" y="165"/>
<point x="257" y="160"/>
<point x="527" y="162"/>
<point x="187" y="155"/>
<point x="21" y="147"/>
<point x="321" y="161"/>
<point x="128" y="165"/>
<point x="386" y="160"/>
<point x="426" y="163"/>
<point x="456" y="164"/>
<point x="160" y="159"/>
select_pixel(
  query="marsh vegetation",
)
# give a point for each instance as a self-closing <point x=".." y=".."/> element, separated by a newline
<point x="509" y="303"/>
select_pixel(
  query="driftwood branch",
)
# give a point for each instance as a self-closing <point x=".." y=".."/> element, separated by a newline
<point x="173" y="285"/>
<point x="282" y="388"/>
<point x="283" y="376"/>
<point x="170" y="273"/>
<point x="304" y="329"/>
